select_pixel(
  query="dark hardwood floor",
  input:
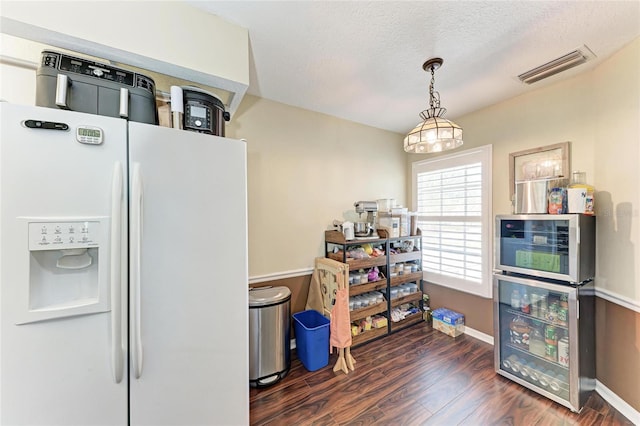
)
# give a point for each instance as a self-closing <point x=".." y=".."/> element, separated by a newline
<point x="418" y="376"/>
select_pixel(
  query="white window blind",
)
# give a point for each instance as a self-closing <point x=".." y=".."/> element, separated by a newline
<point x="452" y="195"/>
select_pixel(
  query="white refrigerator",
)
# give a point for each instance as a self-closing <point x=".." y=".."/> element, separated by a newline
<point x="123" y="267"/>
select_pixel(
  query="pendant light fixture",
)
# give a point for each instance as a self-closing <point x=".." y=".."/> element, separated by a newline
<point x="435" y="133"/>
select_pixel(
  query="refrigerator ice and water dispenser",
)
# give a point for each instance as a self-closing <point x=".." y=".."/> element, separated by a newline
<point x="64" y="269"/>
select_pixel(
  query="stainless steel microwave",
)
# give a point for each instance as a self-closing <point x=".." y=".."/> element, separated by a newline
<point x="558" y="247"/>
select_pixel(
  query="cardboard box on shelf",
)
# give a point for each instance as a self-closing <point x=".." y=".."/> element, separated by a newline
<point x="449" y="322"/>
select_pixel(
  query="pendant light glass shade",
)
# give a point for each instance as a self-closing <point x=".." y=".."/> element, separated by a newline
<point x="435" y="133"/>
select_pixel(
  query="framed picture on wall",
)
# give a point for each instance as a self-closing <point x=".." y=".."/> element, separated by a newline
<point x="545" y="162"/>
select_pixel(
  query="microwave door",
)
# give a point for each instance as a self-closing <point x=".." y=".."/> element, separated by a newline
<point x="546" y="246"/>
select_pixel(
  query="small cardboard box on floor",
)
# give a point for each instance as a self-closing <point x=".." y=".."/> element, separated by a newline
<point x="448" y="321"/>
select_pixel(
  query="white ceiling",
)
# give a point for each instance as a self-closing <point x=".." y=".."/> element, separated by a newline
<point x="362" y="61"/>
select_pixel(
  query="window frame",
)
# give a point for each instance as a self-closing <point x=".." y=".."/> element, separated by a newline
<point x="484" y="155"/>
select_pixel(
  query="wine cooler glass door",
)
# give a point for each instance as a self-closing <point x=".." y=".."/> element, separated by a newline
<point x="534" y="325"/>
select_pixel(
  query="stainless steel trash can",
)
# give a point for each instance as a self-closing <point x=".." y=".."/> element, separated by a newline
<point x="269" y="335"/>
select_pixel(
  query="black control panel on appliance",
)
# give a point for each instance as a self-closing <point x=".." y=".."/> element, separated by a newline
<point x="203" y="111"/>
<point x="197" y="116"/>
<point x="71" y="83"/>
<point x="73" y="65"/>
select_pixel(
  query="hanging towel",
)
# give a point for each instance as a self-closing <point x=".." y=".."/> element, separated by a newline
<point x="340" y="325"/>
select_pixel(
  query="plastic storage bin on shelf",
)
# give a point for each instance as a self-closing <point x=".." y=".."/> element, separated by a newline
<point x="312" y="339"/>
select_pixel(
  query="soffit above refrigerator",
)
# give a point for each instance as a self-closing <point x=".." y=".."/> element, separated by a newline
<point x="208" y="52"/>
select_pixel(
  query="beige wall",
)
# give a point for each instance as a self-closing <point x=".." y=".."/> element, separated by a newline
<point x="615" y="105"/>
<point x="599" y="112"/>
<point x="616" y="115"/>
<point x="304" y="170"/>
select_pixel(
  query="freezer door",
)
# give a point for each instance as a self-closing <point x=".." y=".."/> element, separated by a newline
<point x="188" y="283"/>
<point x="60" y="344"/>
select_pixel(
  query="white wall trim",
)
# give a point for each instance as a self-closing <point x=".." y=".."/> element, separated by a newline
<point x="17" y="62"/>
<point x="608" y="295"/>
<point x="618" y="299"/>
<point x="618" y="403"/>
<point x="478" y="335"/>
<point x="280" y="275"/>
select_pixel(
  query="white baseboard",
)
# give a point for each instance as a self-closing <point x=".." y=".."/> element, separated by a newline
<point x="618" y="403"/>
<point x="478" y="335"/>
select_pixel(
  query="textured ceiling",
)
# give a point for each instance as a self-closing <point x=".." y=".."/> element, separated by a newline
<point x="362" y="61"/>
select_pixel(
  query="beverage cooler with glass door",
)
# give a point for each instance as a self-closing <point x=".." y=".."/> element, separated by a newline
<point x="544" y="304"/>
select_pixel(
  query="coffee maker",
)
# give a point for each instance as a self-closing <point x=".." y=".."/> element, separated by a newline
<point x="371" y="209"/>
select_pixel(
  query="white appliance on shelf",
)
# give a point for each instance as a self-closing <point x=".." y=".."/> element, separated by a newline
<point x="123" y="267"/>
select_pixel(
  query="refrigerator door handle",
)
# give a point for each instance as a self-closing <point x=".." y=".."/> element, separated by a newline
<point x="134" y="265"/>
<point x="62" y="84"/>
<point x="117" y="347"/>
<point x="124" y="103"/>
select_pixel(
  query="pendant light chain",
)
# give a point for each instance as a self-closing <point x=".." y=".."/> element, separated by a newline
<point x="435" y="133"/>
<point x="434" y="97"/>
<point x="433" y="82"/>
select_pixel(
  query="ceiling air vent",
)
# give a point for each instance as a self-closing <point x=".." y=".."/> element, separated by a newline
<point x="570" y="60"/>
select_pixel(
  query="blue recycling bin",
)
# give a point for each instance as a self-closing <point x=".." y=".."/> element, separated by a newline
<point x="312" y="339"/>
